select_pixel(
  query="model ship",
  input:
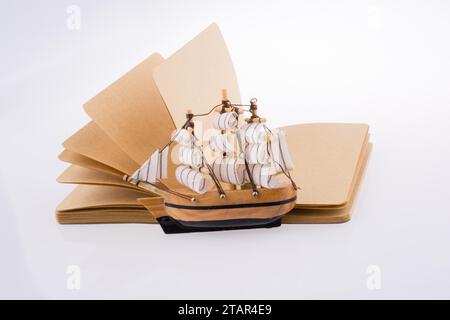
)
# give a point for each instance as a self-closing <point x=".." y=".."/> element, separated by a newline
<point x="239" y="178"/>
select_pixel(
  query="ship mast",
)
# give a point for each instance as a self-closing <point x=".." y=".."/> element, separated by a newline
<point x="254" y="118"/>
<point x="226" y="107"/>
<point x="190" y="126"/>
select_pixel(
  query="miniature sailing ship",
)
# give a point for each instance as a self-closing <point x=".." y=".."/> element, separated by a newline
<point x="239" y="178"/>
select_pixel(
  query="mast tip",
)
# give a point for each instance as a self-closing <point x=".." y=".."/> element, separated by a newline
<point x="224" y="94"/>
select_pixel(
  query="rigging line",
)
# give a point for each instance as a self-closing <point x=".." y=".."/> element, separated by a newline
<point x="168" y="190"/>
<point x="215" y="180"/>
<point x="214" y="177"/>
<point x="163" y="184"/>
<point x="250" y="176"/>
<point x="286" y="173"/>
<point x="247" y="168"/>
<point x="267" y="128"/>
<point x="207" y="113"/>
<point x="163" y="188"/>
<point x="176" y="134"/>
<point x="210" y="111"/>
<point x="240" y="105"/>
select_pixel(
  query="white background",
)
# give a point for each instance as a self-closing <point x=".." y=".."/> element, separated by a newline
<point x="385" y="63"/>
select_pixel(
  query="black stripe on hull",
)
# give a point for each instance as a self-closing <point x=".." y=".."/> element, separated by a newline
<point x="232" y="206"/>
<point x="172" y="226"/>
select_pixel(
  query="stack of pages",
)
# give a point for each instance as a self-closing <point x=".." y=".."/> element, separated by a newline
<point x="137" y="114"/>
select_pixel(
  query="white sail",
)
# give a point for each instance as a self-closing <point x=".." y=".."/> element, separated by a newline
<point x="163" y="162"/>
<point x="262" y="177"/>
<point x="154" y="168"/>
<point x="222" y="143"/>
<point x="224" y="121"/>
<point x="183" y="137"/>
<point x="229" y="170"/>
<point x="195" y="180"/>
<point x="140" y="173"/>
<point x="254" y="132"/>
<point x="191" y="156"/>
<point x="257" y="153"/>
<point x="280" y="152"/>
<point x="241" y="120"/>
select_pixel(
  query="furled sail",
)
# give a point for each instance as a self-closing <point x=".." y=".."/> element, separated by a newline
<point x="191" y="156"/>
<point x="195" y="180"/>
<point x="253" y="132"/>
<point x="154" y="168"/>
<point x="222" y="143"/>
<point x="280" y="152"/>
<point x="262" y="176"/>
<point x="229" y="170"/>
<point x="224" y="121"/>
<point x="257" y="153"/>
<point x="265" y="157"/>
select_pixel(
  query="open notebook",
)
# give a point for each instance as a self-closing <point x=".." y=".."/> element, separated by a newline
<point x="138" y="113"/>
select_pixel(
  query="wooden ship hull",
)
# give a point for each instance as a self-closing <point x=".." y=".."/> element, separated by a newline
<point x="238" y="210"/>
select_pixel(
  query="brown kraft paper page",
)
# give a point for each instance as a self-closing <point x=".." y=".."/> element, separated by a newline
<point x="325" y="157"/>
<point x="314" y="216"/>
<point x="92" y="142"/>
<point x="90" y="196"/>
<point x="85" y="162"/>
<point x="194" y="76"/>
<point x="78" y="175"/>
<point x="132" y="112"/>
<point x="100" y="216"/>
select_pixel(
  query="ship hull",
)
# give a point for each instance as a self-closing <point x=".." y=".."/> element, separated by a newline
<point x="239" y="210"/>
<point x="171" y="226"/>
